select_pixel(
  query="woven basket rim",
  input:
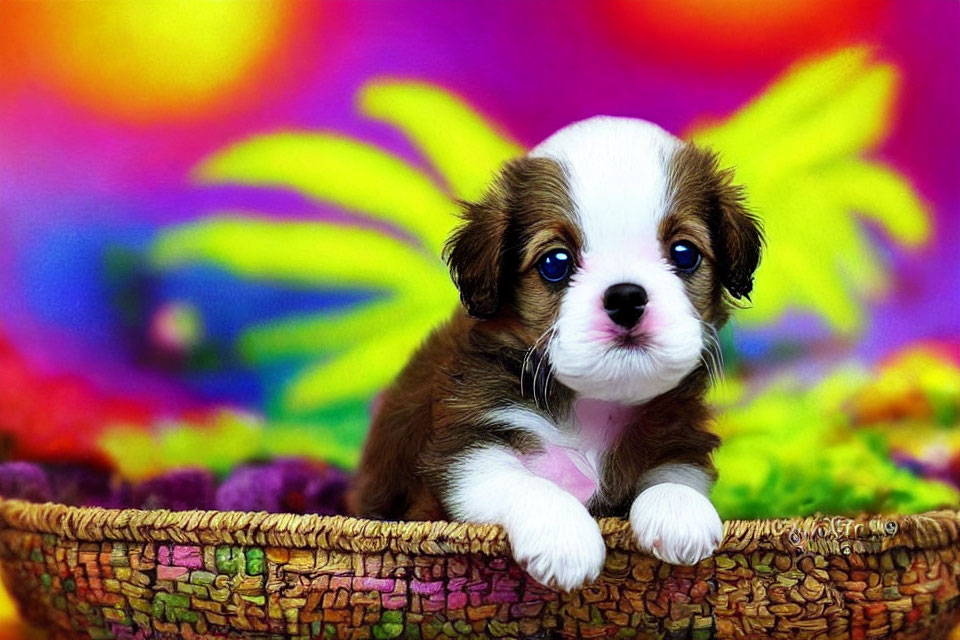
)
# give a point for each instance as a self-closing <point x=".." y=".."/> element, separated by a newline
<point x="821" y="534"/>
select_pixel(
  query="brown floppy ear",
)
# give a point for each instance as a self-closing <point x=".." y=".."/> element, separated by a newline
<point x="475" y="251"/>
<point x="737" y="235"/>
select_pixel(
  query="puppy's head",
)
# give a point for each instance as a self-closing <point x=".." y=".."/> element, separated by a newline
<point x="618" y="247"/>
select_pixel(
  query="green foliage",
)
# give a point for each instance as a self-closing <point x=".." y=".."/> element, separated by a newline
<point x="791" y="451"/>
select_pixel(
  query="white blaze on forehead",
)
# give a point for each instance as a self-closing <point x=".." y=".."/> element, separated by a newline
<point x="617" y="169"/>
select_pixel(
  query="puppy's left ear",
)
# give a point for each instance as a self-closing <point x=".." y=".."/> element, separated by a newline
<point x="737" y="236"/>
<point x="475" y="251"/>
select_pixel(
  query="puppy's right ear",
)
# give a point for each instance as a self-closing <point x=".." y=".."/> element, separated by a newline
<point x="475" y="251"/>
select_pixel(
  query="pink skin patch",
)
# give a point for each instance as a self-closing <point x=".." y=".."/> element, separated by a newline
<point x="652" y="322"/>
<point x="600" y="424"/>
<point x="556" y="465"/>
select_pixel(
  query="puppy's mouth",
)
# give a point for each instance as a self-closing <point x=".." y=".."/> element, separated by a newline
<point x="635" y="338"/>
<point x="631" y="340"/>
<point x="615" y="337"/>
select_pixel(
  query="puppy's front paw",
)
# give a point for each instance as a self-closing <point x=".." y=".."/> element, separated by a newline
<point x="560" y="546"/>
<point x="676" y="523"/>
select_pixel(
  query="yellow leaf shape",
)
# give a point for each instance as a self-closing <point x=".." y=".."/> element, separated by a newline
<point x="856" y="268"/>
<point x="345" y="172"/>
<point x="312" y="335"/>
<point x="361" y="349"/>
<point x="880" y="194"/>
<point x="798" y="148"/>
<point x="849" y="121"/>
<point x="313" y="253"/>
<point x="826" y="134"/>
<point x="859" y="266"/>
<point x="362" y="370"/>
<point x="823" y="291"/>
<point x="464" y="146"/>
<point x="800" y="90"/>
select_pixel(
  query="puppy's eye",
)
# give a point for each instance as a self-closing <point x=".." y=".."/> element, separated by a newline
<point x="685" y="256"/>
<point x="555" y="265"/>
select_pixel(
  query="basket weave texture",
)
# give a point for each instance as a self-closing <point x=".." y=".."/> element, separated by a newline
<point x="90" y="572"/>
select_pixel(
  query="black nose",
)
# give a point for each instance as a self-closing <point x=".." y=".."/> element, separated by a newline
<point x="625" y="303"/>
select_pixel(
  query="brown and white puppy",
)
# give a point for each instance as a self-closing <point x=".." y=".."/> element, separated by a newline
<point x="594" y="275"/>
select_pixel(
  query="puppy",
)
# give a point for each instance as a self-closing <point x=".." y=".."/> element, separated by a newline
<point x="594" y="275"/>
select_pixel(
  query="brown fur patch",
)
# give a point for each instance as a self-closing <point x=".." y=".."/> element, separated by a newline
<point x="708" y="209"/>
<point x="527" y="206"/>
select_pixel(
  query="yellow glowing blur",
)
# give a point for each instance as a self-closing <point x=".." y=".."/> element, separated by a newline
<point x="151" y="60"/>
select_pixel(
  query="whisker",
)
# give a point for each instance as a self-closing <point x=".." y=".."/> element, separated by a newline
<point x="536" y="383"/>
<point x="536" y="375"/>
<point x="712" y="355"/>
<point x="548" y="377"/>
<point x="709" y="367"/>
<point x="523" y="369"/>
<point x="526" y="362"/>
<point x="718" y="351"/>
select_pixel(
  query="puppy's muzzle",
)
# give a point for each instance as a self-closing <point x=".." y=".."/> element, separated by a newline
<point x="625" y="303"/>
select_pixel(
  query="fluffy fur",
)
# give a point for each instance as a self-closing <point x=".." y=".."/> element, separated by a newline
<point x="532" y="408"/>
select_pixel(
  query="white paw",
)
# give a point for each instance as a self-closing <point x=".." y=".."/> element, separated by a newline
<point x="676" y="523"/>
<point x="559" y="546"/>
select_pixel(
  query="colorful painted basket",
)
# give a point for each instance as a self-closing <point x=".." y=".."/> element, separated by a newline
<point x="90" y="572"/>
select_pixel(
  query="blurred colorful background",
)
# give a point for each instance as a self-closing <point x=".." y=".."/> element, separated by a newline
<point x="220" y="223"/>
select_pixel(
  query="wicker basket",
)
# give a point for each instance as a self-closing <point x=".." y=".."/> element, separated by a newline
<point x="98" y="573"/>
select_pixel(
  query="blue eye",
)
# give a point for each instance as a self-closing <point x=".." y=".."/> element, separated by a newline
<point x="685" y="256"/>
<point x="555" y="265"/>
